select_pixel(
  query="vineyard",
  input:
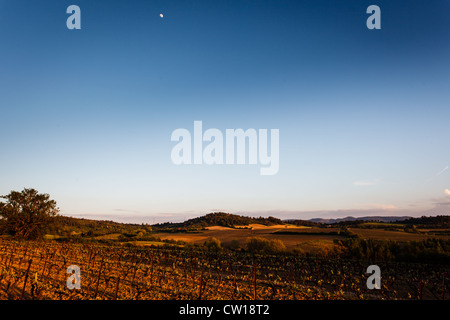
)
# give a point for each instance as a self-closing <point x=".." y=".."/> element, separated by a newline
<point x="38" y="270"/>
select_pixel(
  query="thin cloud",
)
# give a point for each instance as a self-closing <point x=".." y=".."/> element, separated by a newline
<point x="366" y="183"/>
<point x="127" y="211"/>
<point x="387" y="207"/>
<point x="447" y="192"/>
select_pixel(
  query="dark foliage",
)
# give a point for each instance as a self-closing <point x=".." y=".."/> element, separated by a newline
<point x="216" y="219"/>
<point x="430" y="222"/>
<point x="429" y="250"/>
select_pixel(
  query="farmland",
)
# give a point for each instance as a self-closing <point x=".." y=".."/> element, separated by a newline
<point x="291" y="236"/>
<point x="222" y="256"/>
<point x="37" y="270"/>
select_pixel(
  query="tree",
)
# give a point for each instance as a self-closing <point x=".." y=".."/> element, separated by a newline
<point x="26" y="214"/>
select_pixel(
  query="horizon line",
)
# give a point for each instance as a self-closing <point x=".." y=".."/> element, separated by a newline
<point x="179" y="218"/>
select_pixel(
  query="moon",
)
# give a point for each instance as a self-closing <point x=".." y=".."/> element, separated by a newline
<point x="161" y="15"/>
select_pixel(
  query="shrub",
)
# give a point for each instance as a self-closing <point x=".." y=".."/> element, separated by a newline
<point x="232" y="245"/>
<point x="299" y="252"/>
<point x="429" y="250"/>
<point x="213" y="244"/>
<point x="262" y="245"/>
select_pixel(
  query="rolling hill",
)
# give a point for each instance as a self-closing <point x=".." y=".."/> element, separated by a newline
<point x="368" y="218"/>
<point x="216" y="219"/>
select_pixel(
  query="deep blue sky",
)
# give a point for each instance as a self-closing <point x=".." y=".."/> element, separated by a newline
<point x="86" y="115"/>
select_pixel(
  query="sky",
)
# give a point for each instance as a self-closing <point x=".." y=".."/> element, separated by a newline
<point x="87" y="114"/>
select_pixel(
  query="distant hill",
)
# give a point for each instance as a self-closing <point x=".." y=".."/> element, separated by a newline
<point x="65" y="226"/>
<point x="216" y="219"/>
<point x="369" y="218"/>
<point x="305" y="223"/>
<point x="430" y="222"/>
